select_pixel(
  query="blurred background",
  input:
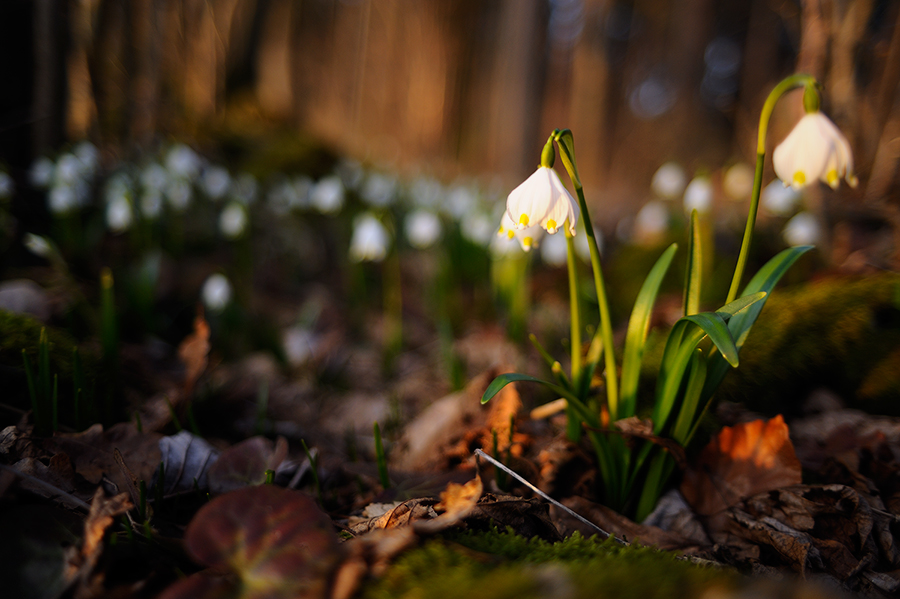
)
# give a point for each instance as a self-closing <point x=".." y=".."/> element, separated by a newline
<point x="453" y="87"/>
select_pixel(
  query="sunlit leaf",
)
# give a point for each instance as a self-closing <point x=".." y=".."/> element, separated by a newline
<point x="694" y="268"/>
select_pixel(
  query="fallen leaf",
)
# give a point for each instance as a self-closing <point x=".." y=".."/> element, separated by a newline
<point x="186" y="459"/>
<point x="370" y="554"/>
<point x="457" y="502"/>
<point x="739" y="462"/>
<point x="262" y="541"/>
<point x="246" y="463"/>
<point x="194" y="353"/>
<point x="101" y="516"/>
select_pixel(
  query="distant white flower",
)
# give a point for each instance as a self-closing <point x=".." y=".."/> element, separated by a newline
<point x="528" y="237"/>
<point x="299" y="345"/>
<point x="68" y="170"/>
<point x="328" y="195"/>
<point x="379" y="190"/>
<point x="41" y="172"/>
<point x="554" y="251"/>
<point x="216" y="182"/>
<point x="119" y="216"/>
<point x="651" y="221"/>
<point x="37" y="245"/>
<point x="301" y="188"/>
<point x="423" y="228"/>
<point x="668" y="181"/>
<point x="802" y="229"/>
<point x="814" y="149"/>
<point x="62" y="199"/>
<point x="216" y="292"/>
<point x="183" y="162"/>
<point x="179" y="193"/>
<point x="698" y="195"/>
<point x="7" y="185"/>
<point x="370" y="239"/>
<point x="779" y="200"/>
<point x="460" y="202"/>
<point x="233" y="220"/>
<point x="542" y="200"/>
<point x="582" y="244"/>
<point x="738" y="181"/>
<point x="477" y="228"/>
<point x="88" y="156"/>
<point x="154" y="177"/>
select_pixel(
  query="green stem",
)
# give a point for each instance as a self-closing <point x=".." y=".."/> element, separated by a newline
<point x="574" y="312"/>
<point x="566" y="145"/>
<point x="784" y="86"/>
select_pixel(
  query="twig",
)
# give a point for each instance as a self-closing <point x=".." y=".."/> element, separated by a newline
<point x="60" y="494"/>
<point x="580" y="518"/>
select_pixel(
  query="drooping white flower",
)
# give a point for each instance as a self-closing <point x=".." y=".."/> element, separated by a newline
<point x="328" y="195"/>
<point x="151" y="204"/>
<point x="233" y="220"/>
<point x="119" y="215"/>
<point x="183" y="162"/>
<point x="460" y="201"/>
<point x="154" y="177"/>
<point x="554" y="251"/>
<point x="802" y="229"/>
<point x="41" y="172"/>
<point x="814" y="149"/>
<point x="370" y="239"/>
<point x="542" y="200"/>
<point x="668" y="181"/>
<point x="698" y="195"/>
<point x="7" y="185"/>
<point x="651" y="222"/>
<point x="477" y="228"/>
<point x="216" y="182"/>
<point x="89" y="156"/>
<point x="528" y="237"/>
<point x="62" y="199"/>
<point x="379" y="190"/>
<point x="68" y="171"/>
<point x="179" y="193"/>
<point x="216" y="292"/>
<point x="423" y="228"/>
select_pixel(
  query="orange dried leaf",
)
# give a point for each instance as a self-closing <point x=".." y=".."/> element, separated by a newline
<point x="194" y="352"/>
<point x="741" y="461"/>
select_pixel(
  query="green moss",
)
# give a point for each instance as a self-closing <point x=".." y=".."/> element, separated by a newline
<point x="494" y="565"/>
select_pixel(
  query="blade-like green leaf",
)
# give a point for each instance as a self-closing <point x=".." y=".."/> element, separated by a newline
<point x="716" y="328"/>
<point x="692" y="274"/>
<point x="635" y="339"/>
<point x="511" y="377"/>
<point x="741" y="323"/>
<point x="688" y="411"/>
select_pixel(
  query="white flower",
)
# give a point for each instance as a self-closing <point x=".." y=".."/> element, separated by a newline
<point x="554" y="251"/>
<point x="379" y="190"/>
<point x="151" y="204"/>
<point x="542" y="200"/>
<point x="328" y="195"/>
<point x="478" y="228"/>
<point x="245" y="189"/>
<point x="423" y="228"/>
<point x="461" y="200"/>
<point x="233" y="220"/>
<point x="216" y="292"/>
<point x="37" y="245"/>
<point x="89" y="156"/>
<point x="426" y="192"/>
<point x="63" y="199"/>
<point x="183" y="162"/>
<point x="154" y="177"/>
<point x="802" y="229"/>
<point x="179" y="193"/>
<point x="119" y="215"/>
<point x="370" y="239"/>
<point x="527" y="237"/>
<point x="698" y="195"/>
<point x="815" y="149"/>
<point x="669" y="181"/>
<point x="216" y="182"/>
<point x="651" y="222"/>
<point x="68" y="170"/>
<point x="780" y="200"/>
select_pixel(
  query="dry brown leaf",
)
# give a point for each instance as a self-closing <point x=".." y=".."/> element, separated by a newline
<point x="194" y="352"/>
<point x="457" y="502"/>
<point x="101" y="516"/>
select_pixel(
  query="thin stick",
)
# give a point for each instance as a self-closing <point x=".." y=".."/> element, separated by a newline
<point x="580" y="518"/>
<point x="60" y="494"/>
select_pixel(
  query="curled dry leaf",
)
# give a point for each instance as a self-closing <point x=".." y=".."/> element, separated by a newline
<point x="739" y="462"/>
<point x="246" y="464"/>
<point x="271" y="542"/>
<point x="457" y="502"/>
<point x="194" y="352"/>
<point x="186" y="459"/>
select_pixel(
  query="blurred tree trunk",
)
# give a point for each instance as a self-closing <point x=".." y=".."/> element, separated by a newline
<point x="51" y="36"/>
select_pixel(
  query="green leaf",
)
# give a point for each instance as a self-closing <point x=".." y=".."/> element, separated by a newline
<point x="714" y="325"/>
<point x="741" y="323"/>
<point x="694" y="268"/>
<point x="511" y="377"/>
<point x="636" y="337"/>
<point x="688" y="411"/>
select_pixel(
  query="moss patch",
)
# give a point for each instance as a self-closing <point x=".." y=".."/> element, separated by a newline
<point x="493" y="565"/>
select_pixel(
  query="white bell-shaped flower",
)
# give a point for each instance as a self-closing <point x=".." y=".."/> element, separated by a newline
<point x="542" y="200"/>
<point x="370" y="240"/>
<point x="528" y="237"/>
<point x="815" y="149"/>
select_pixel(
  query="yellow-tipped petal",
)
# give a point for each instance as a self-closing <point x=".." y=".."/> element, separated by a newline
<point x="799" y="179"/>
<point x="523" y="220"/>
<point x="527" y="243"/>
<point x="551" y="226"/>
<point x="832" y="178"/>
